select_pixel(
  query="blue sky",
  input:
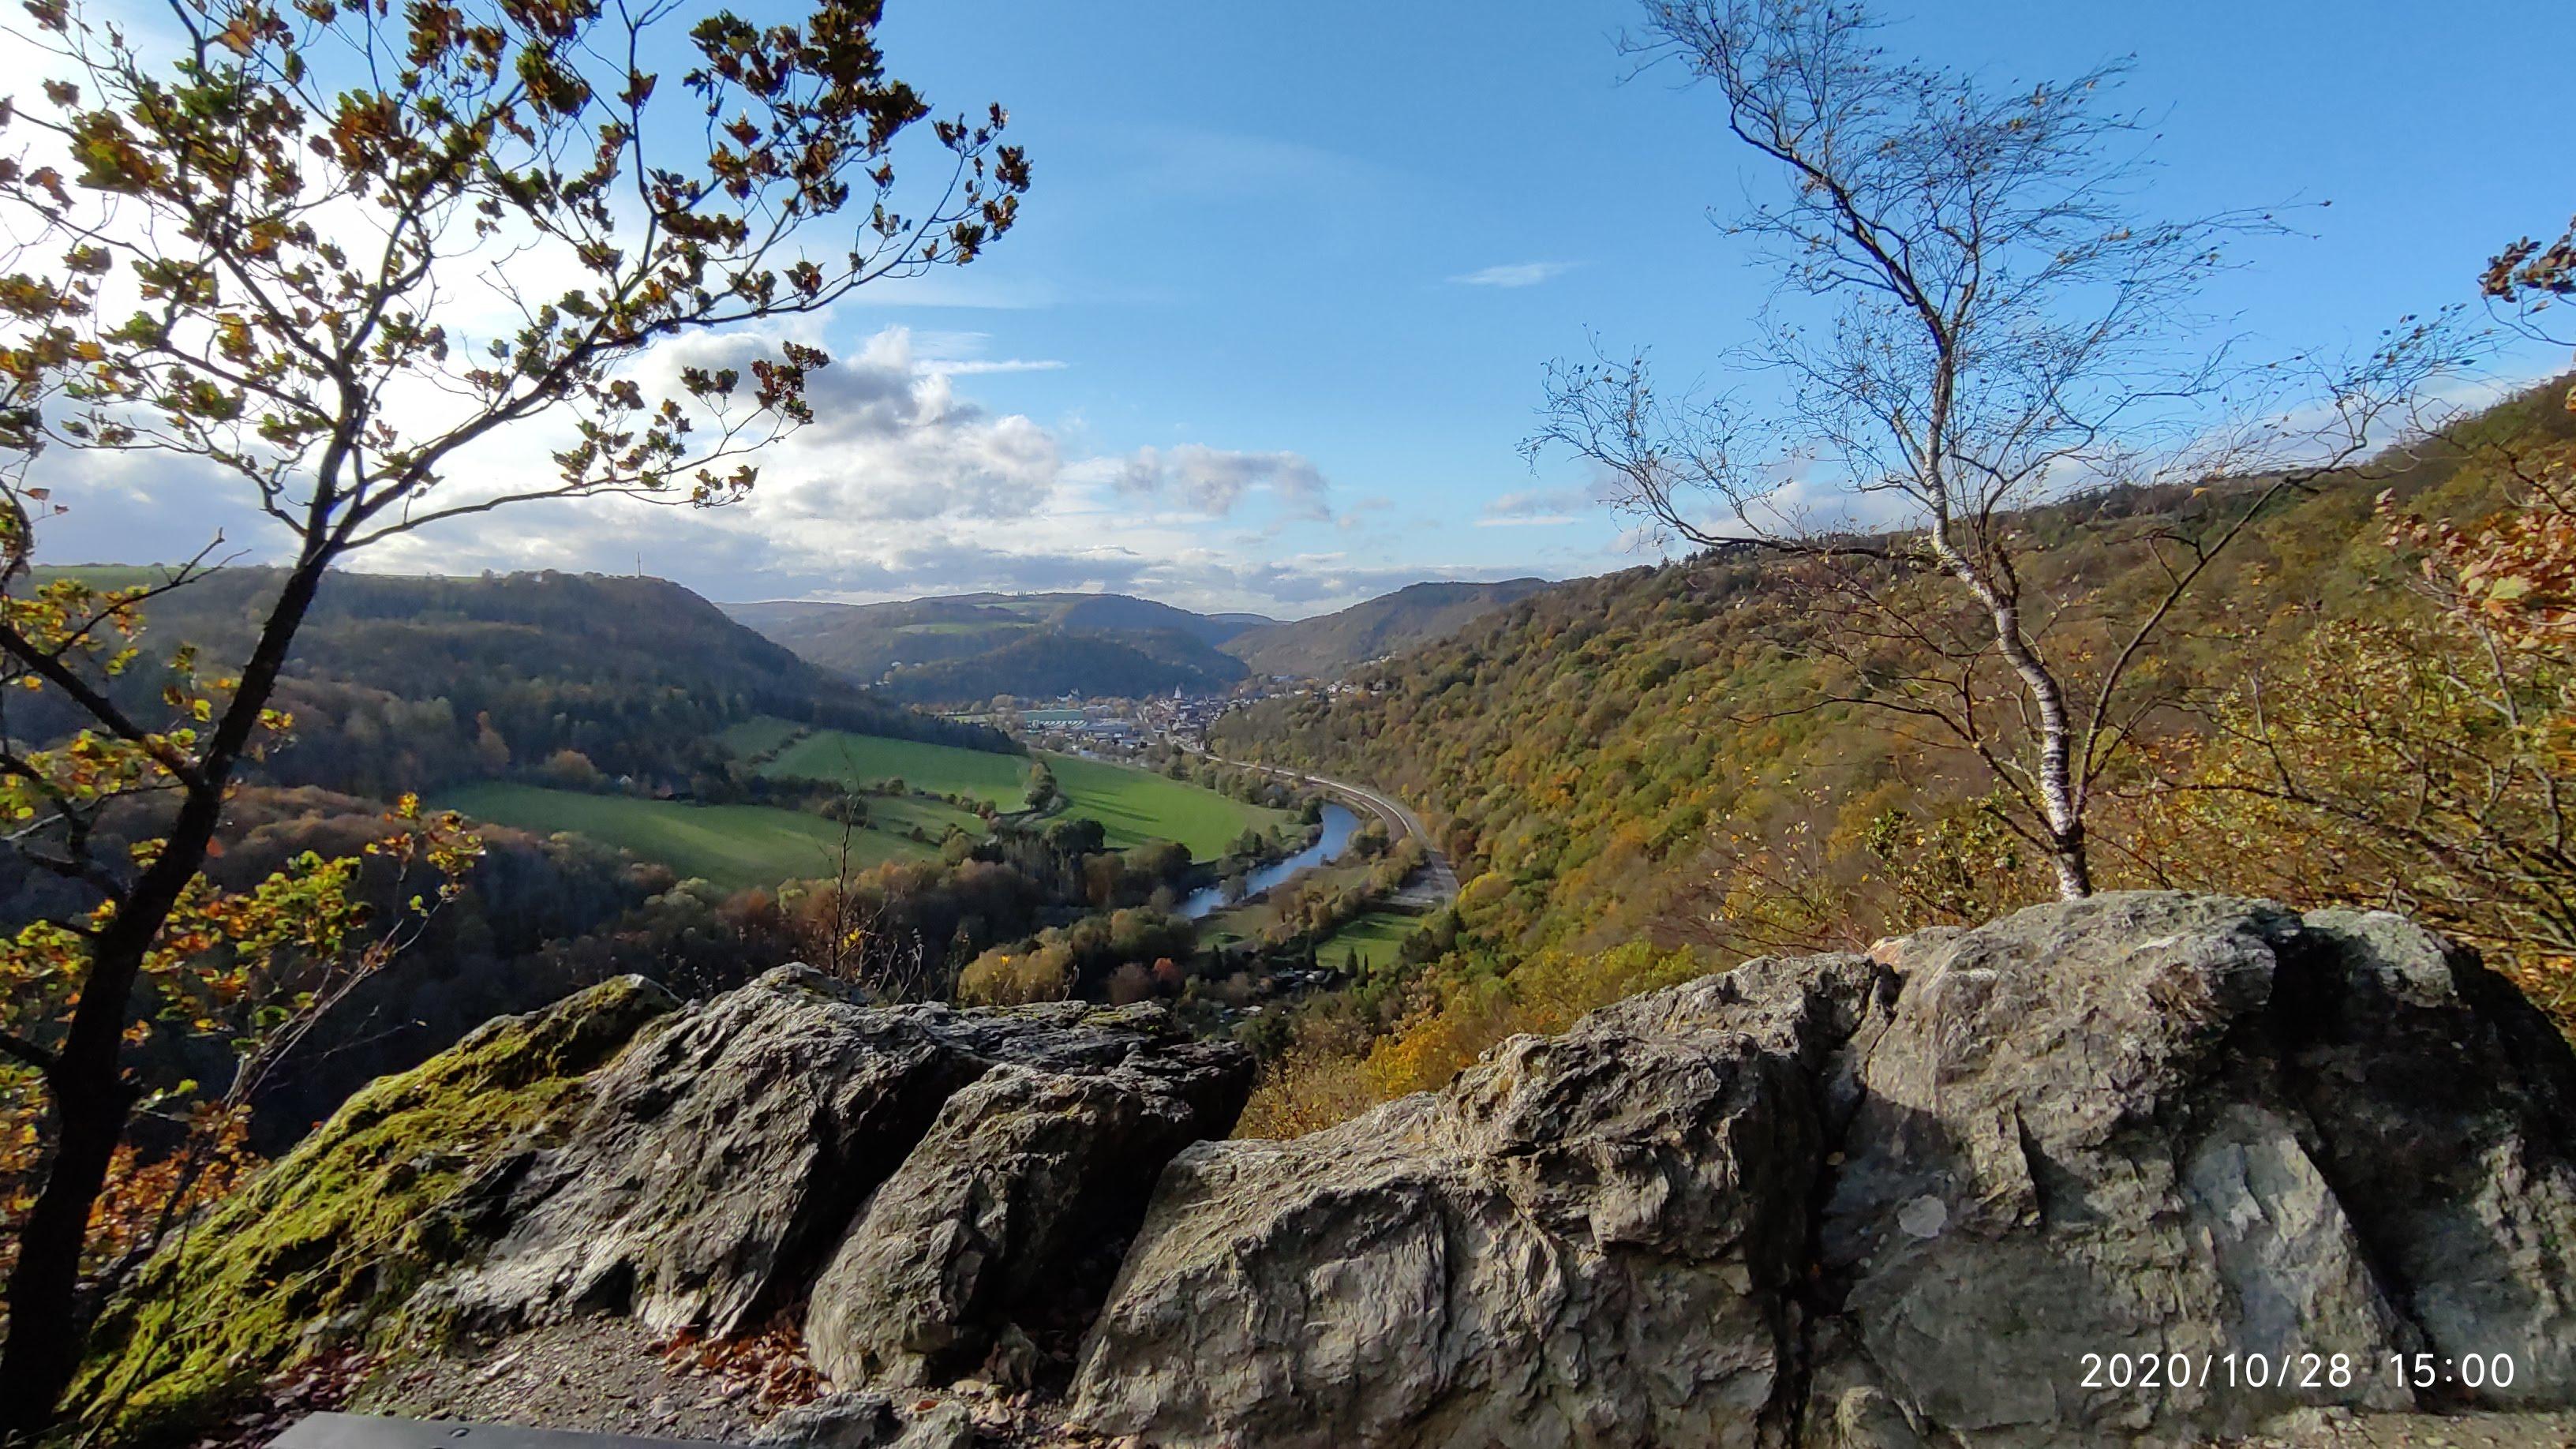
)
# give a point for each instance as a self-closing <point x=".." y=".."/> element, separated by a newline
<point x="1272" y="324"/>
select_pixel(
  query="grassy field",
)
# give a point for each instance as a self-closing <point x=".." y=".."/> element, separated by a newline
<point x="898" y="814"/>
<point x="731" y="845"/>
<point x="1367" y="942"/>
<point x="757" y="845"/>
<point x="758" y="735"/>
<point x="1132" y="805"/>
<point x="939" y="769"/>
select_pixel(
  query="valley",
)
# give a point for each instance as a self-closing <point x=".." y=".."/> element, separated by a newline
<point x="1044" y="727"/>
<point x="909" y="791"/>
<point x="734" y="846"/>
<point x="967" y="649"/>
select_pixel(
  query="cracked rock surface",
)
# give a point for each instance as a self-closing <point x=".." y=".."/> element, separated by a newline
<point x="728" y="1152"/>
<point x="1848" y="1202"/>
<point x="1843" y="1201"/>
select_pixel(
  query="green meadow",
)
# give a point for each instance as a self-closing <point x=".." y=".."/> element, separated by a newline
<point x="758" y="735"/>
<point x="1132" y="805"/>
<point x="861" y="760"/>
<point x="759" y="845"/>
<point x="1367" y="942"/>
<point x="732" y="845"/>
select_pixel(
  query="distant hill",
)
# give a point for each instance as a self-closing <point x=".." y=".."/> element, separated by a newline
<point x="968" y="647"/>
<point x="395" y="679"/>
<point x="1409" y="618"/>
<point x="1623" y="751"/>
<point x="1045" y="663"/>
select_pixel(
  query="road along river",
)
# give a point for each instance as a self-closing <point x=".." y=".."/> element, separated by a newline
<point x="1433" y="885"/>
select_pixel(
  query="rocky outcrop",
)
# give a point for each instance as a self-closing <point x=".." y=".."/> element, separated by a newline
<point x="696" y="1168"/>
<point x="1009" y="1215"/>
<point x="1846" y="1201"/>
<point x="1839" y="1201"/>
<point x="2152" y="1125"/>
<point x="726" y="1154"/>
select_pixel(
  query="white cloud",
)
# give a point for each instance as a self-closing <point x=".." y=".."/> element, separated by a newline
<point x="1544" y="505"/>
<point x="1214" y="481"/>
<point x="1513" y="274"/>
<point x="903" y="485"/>
<point x="891" y="439"/>
<point x="961" y="354"/>
<point x="973" y="366"/>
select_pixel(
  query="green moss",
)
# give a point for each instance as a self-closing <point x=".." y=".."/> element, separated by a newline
<point x="344" y="1227"/>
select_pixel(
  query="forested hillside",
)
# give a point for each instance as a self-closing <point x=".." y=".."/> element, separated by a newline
<point x="1047" y="663"/>
<point x="970" y="647"/>
<point x="1329" y="644"/>
<point x="407" y="683"/>
<point x="1666" y="756"/>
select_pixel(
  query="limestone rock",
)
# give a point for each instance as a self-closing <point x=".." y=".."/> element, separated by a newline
<point x="399" y="1185"/>
<point x="1888" y="1201"/>
<point x="1593" y="1239"/>
<point x="2152" y="1124"/>
<point x="1846" y="1201"/>
<point x="727" y="1151"/>
<point x="1000" y="1216"/>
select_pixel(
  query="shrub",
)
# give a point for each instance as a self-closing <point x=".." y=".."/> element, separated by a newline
<point x="1011" y="978"/>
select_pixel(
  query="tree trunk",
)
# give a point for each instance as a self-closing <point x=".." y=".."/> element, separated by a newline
<point x="43" y="1336"/>
<point x="2067" y="854"/>
<point x="90" y="1096"/>
<point x="2061" y="805"/>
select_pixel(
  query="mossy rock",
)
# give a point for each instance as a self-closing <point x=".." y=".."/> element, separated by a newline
<point x="326" y="1242"/>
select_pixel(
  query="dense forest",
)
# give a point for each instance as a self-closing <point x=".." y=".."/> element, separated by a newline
<point x="967" y="648"/>
<point x="1326" y="646"/>
<point x="407" y="683"/>
<point x="1048" y="663"/>
<point x="1652" y="772"/>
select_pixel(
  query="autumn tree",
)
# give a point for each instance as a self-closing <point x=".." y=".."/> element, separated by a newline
<point x="2424" y="756"/>
<point x="1968" y="323"/>
<point x="1042" y="793"/>
<point x="239" y="239"/>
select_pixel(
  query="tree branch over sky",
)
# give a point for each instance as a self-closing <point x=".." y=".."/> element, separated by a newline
<point x="233" y="239"/>
<point x="1968" y="321"/>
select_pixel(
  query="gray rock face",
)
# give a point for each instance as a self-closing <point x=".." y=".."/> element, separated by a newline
<point x="1586" y="1239"/>
<point x="2147" y="1125"/>
<point x="1835" y="1202"/>
<point x="1009" y="1212"/>
<point x="732" y="1145"/>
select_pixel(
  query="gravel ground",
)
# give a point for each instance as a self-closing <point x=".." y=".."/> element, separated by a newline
<point x="596" y="1374"/>
<point x="605" y="1375"/>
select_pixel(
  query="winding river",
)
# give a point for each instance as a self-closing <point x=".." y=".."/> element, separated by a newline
<point x="1338" y="822"/>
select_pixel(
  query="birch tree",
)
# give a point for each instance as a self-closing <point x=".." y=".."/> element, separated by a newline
<point x="1969" y="322"/>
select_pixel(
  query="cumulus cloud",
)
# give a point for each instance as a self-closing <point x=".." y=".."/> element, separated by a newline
<point x="904" y="485"/>
<point x="1214" y="481"/>
<point x="1513" y="274"/>
<point x="891" y="438"/>
<point x="1534" y="507"/>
